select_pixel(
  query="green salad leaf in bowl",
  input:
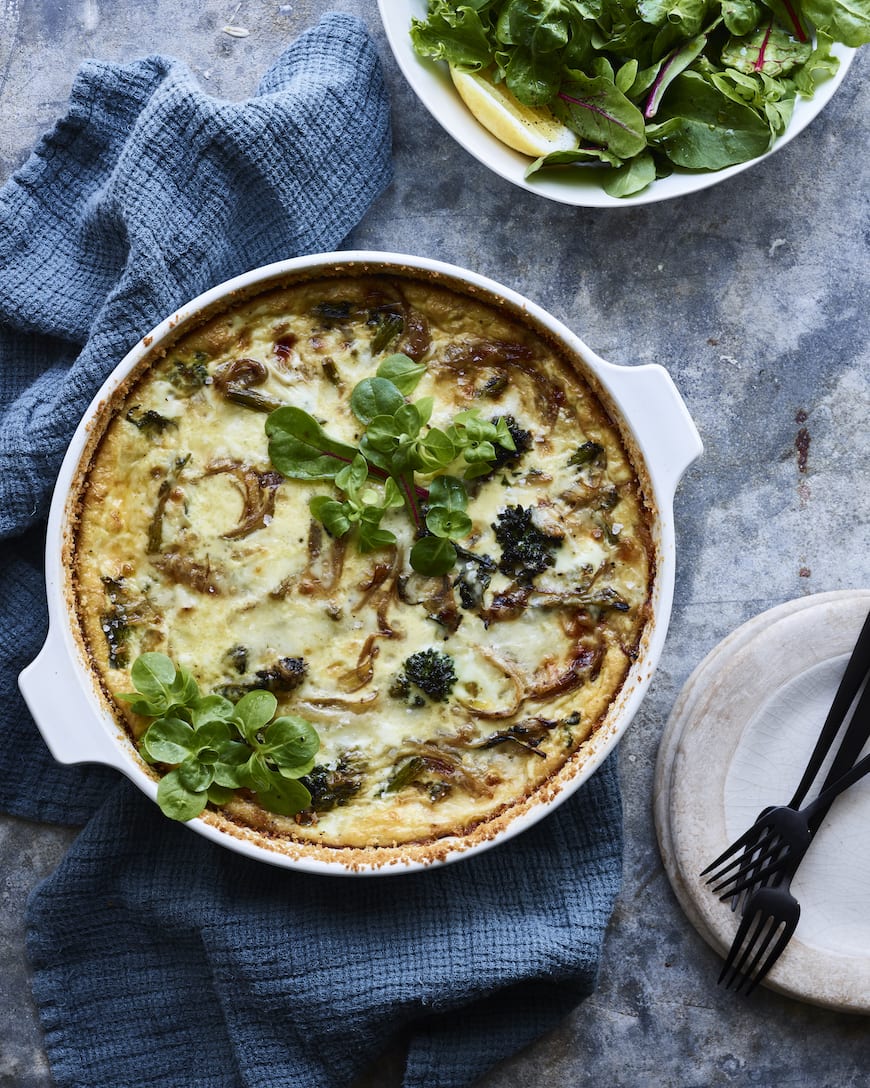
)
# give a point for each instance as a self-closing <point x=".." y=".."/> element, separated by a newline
<point x="648" y="86"/>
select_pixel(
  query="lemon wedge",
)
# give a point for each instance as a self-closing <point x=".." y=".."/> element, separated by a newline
<point x="533" y="130"/>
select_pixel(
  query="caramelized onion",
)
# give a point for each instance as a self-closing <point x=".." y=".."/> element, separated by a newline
<point x="550" y="680"/>
<point x="311" y="582"/>
<point x="361" y="674"/>
<point x="258" y="492"/>
<point x="436" y="594"/>
<point x="185" y="571"/>
<point x="507" y="605"/>
<point x="416" y="338"/>
<point x="379" y="591"/>
<point x="338" y="702"/>
<point x="467" y="357"/>
<point x="447" y="766"/>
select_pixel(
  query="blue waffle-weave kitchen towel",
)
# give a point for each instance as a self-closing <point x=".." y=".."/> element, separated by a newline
<point x="160" y="958"/>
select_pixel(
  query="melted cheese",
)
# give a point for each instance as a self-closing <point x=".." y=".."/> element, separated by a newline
<point x="162" y="551"/>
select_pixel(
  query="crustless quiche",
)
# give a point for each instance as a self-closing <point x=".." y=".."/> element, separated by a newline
<point x="397" y="510"/>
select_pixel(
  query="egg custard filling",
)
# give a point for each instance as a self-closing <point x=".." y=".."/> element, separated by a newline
<point x="399" y="510"/>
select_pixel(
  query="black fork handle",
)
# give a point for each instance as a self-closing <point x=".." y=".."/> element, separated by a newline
<point x="816" y="810"/>
<point x="844" y="771"/>
<point x="857" y="734"/>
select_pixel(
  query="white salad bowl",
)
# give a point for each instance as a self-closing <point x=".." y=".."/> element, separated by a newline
<point x="431" y="82"/>
<point x="61" y="689"/>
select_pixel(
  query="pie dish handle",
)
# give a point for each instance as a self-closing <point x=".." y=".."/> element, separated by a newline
<point x="68" y="721"/>
<point x="659" y="418"/>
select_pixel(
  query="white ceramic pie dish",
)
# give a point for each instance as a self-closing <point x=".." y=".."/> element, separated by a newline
<point x="73" y="715"/>
<point x="430" y="81"/>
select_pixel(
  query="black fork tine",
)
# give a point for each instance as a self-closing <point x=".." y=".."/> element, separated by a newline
<point x="769" y="928"/>
<point x="786" y="928"/>
<point x="731" y="968"/>
<point x="750" y="858"/>
<point x="753" y="877"/>
<point x="735" y="848"/>
<point x="754" y="870"/>
<point x="765" y="929"/>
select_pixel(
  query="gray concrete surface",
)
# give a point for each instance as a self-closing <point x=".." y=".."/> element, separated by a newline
<point x="754" y="294"/>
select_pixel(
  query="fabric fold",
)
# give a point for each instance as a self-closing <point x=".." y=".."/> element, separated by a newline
<point x="290" y="978"/>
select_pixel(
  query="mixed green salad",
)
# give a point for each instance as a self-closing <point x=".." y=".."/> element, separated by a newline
<point x="650" y="85"/>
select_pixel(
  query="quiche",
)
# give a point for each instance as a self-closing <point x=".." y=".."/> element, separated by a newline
<point x="401" y="511"/>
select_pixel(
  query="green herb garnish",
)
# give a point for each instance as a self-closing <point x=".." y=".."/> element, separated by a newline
<point x="380" y="474"/>
<point x="213" y="747"/>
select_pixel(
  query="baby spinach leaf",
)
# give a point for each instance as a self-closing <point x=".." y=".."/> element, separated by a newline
<point x="331" y="513"/>
<point x="741" y="16"/>
<point x="600" y="113"/>
<point x="705" y="130"/>
<point x="581" y="157"/>
<point x="292" y="744"/>
<point x="370" y="536"/>
<point x="531" y="77"/>
<point x="353" y="476"/>
<point x="253" y="711"/>
<point x="284" y="796"/>
<point x="194" y="775"/>
<point x="159" y="685"/>
<point x="770" y="49"/>
<point x="676" y="62"/>
<point x="219" y="795"/>
<point x="168" y="740"/>
<point x="153" y="675"/>
<point x="633" y="177"/>
<point x="178" y="801"/>
<point x="255" y="774"/>
<point x="300" y="449"/>
<point x="626" y="76"/>
<point x="210" y="708"/>
<point x="449" y="524"/>
<point x="685" y="15"/>
<point x="232" y="756"/>
<point x="846" y="21"/>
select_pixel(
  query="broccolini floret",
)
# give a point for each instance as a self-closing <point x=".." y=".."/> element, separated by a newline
<point x="526" y="550"/>
<point x="430" y="671"/>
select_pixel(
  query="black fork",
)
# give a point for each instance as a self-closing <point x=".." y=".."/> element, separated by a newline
<point x="781" y="836"/>
<point x="741" y="867"/>
<point x="771" y="914"/>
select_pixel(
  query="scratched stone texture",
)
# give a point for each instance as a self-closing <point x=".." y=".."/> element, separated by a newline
<point x="754" y="295"/>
